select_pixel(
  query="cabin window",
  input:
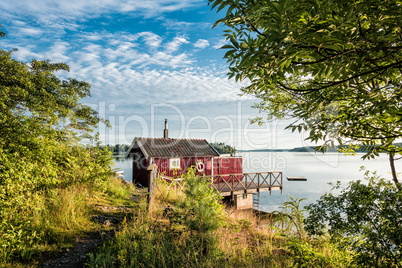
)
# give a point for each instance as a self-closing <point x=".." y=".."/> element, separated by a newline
<point x="174" y="163"/>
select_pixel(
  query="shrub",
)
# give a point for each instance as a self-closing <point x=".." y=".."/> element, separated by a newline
<point x="368" y="216"/>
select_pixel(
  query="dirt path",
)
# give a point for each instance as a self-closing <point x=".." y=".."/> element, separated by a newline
<point x="110" y="218"/>
<point x="77" y="256"/>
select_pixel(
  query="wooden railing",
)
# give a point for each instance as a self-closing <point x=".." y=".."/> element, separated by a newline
<point x="230" y="184"/>
<point x="247" y="182"/>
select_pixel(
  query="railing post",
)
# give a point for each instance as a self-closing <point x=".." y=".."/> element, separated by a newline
<point x="152" y="171"/>
<point x="270" y="183"/>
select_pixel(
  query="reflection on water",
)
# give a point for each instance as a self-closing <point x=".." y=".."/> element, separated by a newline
<point x="125" y="164"/>
<point x="318" y="168"/>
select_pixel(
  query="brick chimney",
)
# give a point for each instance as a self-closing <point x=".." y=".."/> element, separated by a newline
<point x="165" y="132"/>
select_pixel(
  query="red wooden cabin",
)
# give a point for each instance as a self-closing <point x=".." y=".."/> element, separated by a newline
<point x="174" y="156"/>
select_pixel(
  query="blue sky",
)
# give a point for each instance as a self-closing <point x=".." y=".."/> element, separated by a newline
<point x="146" y="61"/>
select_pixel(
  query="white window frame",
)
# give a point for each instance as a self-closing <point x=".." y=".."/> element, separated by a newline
<point x="175" y="163"/>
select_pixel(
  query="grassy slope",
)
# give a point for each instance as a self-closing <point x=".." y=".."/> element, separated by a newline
<point x="63" y="215"/>
<point x="167" y="236"/>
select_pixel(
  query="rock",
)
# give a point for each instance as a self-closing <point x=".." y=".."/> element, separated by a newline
<point x="108" y="209"/>
<point x="106" y="220"/>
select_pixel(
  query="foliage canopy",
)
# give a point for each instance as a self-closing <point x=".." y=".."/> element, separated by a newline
<point x="334" y="66"/>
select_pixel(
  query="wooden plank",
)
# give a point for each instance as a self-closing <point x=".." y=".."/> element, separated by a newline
<point x="296" y="178"/>
<point x="226" y="190"/>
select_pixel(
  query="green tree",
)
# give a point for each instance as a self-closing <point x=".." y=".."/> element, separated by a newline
<point x="223" y="148"/>
<point x="41" y="115"/>
<point x="332" y="66"/>
<point x="41" y="121"/>
<point x="35" y="103"/>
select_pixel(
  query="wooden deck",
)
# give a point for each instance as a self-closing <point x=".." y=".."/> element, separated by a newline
<point x="244" y="183"/>
<point x="247" y="183"/>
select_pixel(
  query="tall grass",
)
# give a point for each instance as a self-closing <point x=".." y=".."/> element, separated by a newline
<point x="166" y="193"/>
<point x="50" y="220"/>
<point x="65" y="214"/>
<point x="146" y="243"/>
<point x="118" y="189"/>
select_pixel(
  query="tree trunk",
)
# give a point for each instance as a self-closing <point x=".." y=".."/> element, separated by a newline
<point x="393" y="171"/>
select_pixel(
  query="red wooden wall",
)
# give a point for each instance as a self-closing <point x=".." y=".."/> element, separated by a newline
<point x="221" y="166"/>
<point x="185" y="162"/>
<point x="228" y="165"/>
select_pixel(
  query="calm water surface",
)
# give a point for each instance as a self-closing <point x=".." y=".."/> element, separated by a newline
<point x="318" y="168"/>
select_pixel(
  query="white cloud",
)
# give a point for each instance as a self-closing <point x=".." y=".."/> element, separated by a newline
<point x="18" y="22"/>
<point x="31" y="31"/>
<point x="121" y="69"/>
<point x="151" y="39"/>
<point x="58" y="52"/>
<point x="175" y="44"/>
<point x="61" y="13"/>
<point x="220" y="43"/>
<point x="25" y="53"/>
<point x="177" y="25"/>
<point x="125" y="86"/>
<point x="201" y="43"/>
<point x="173" y="24"/>
<point x="92" y="36"/>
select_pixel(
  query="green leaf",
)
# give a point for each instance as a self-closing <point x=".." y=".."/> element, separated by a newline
<point x="229" y="53"/>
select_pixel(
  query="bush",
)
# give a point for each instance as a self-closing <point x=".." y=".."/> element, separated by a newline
<point x="44" y="196"/>
<point x="366" y="217"/>
<point x="200" y="212"/>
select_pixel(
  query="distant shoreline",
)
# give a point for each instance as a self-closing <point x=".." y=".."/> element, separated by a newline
<point x="309" y="149"/>
<point x="296" y="149"/>
<point x="264" y="150"/>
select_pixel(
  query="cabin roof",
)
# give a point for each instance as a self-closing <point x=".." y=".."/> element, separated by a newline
<point x="170" y="148"/>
